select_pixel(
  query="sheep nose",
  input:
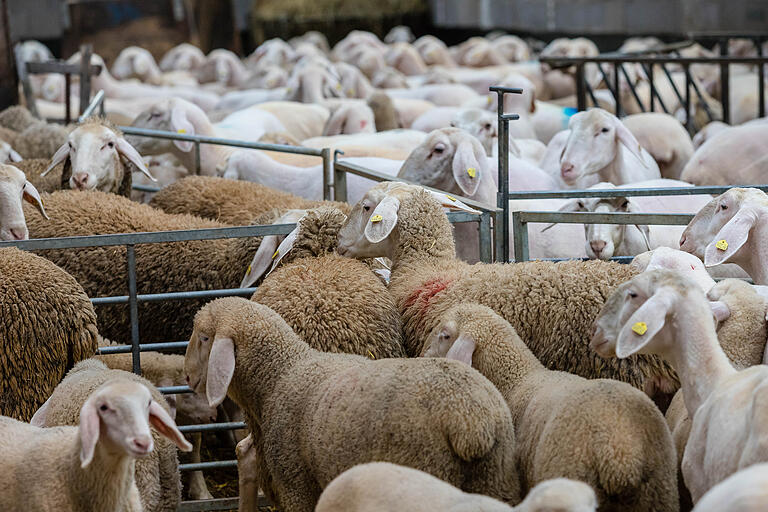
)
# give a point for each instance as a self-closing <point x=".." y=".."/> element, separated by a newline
<point x="80" y="180"/>
<point x="682" y="241"/>
<point x="597" y="247"/>
<point x="142" y="444"/>
<point x="566" y="170"/>
<point x="19" y="233"/>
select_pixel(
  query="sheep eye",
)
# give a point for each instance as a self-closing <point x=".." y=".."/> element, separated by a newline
<point x="632" y="295"/>
<point x="203" y="338"/>
<point x="625" y="204"/>
<point x="111" y="144"/>
<point x="103" y="407"/>
<point x="487" y="126"/>
<point x="723" y="207"/>
<point x="604" y="130"/>
<point x="367" y="208"/>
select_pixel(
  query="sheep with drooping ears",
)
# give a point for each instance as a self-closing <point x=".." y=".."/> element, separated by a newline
<point x="313" y="414"/>
<point x="545" y="302"/>
<point x="630" y="462"/>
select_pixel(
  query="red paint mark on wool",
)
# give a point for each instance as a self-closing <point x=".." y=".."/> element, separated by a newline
<point x="421" y="297"/>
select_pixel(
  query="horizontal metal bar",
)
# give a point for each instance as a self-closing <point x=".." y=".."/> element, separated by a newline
<point x="213" y="427"/>
<point x="501" y="88"/>
<point x="159" y="134"/>
<point x="509" y="117"/>
<point x="214" y="464"/>
<point x="662" y="219"/>
<point x="173" y="390"/>
<point x="626" y="192"/>
<point x="652" y="60"/>
<point x="143" y="347"/>
<point x="191" y="295"/>
<point x="461" y="217"/>
<point x="380" y="176"/>
<point x="60" y="67"/>
<point x="154" y="237"/>
<point x="214" y="504"/>
<point x="145" y="188"/>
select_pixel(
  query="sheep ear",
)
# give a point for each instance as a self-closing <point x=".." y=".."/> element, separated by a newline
<point x="32" y="196"/>
<point x="129" y="152"/>
<point x="574" y="205"/>
<point x="731" y="237"/>
<point x="59" y="156"/>
<point x="335" y="124"/>
<point x="180" y="124"/>
<point x="462" y="349"/>
<point x="221" y="367"/>
<point x="15" y="157"/>
<point x="532" y="108"/>
<point x="466" y="168"/>
<point x="720" y="310"/>
<point x="645" y="323"/>
<point x="261" y="260"/>
<point x="383" y="220"/>
<point x="41" y="415"/>
<point x="165" y="426"/>
<point x="90" y="424"/>
<point x="624" y="136"/>
<point x="646" y="232"/>
<point x="451" y="202"/>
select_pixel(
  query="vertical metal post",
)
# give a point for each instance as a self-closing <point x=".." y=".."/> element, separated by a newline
<point x="327" y="173"/>
<point x="725" y="82"/>
<point x="133" y="304"/>
<point x="617" y="95"/>
<point x="67" y="98"/>
<point x="760" y="80"/>
<point x="85" y="77"/>
<point x="197" y="157"/>
<point x="687" y="103"/>
<point x="502" y="230"/>
<point x="339" y="184"/>
<point x="521" y="237"/>
<point x="484" y="232"/>
<point x="653" y="89"/>
<point x="581" y="90"/>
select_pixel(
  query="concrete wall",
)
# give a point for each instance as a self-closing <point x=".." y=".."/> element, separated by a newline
<point x="604" y="16"/>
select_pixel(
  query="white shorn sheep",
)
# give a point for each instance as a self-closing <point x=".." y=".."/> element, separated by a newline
<point x="385" y="487"/>
<point x="727" y="405"/>
<point x="744" y="491"/>
<point x="89" y="467"/>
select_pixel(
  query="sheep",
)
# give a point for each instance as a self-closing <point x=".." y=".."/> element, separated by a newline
<point x="186" y="408"/>
<point x="730" y="229"/>
<point x="233" y="202"/>
<point x="482" y="124"/>
<point x="314" y="414"/>
<point x="708" y="132"/>
<point x="673" y="259"/>
<point x="223" y="67"/>
<point x="384" y="114"/>
<point x="603" y="241"/>
<point x="91" y="467"/>
<point x="40" y="140"/>
<point x="48" y="324"/>
<point x="8" y="155"/>
<point x="744" y="491"/>
<point x="399" y="34"/>
<point x="738" y="149"/>
<point x="664" y="138"/>
<point x="301" y="120"/>
<point x="350" y="118"/>
<point x="92" y="159"/>
<point x="426" y="280"/>
<point x="385" y="487"/>
<point x="136" y="62"/>
<point x="184" y="57"/>
<point x="14" y="189"/>
<point x="314" y="285"/>
<point x="726" y="404"/>
<point x="17" y="118"/>
<point x="194" y="265"/>
<point x="601" y="148"/>
<point x="557" y="414"/>
<point x="442" y="95"/>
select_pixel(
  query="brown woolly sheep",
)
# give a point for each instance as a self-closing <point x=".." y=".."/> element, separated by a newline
<point x="47" y="324"/>
<point x="157" y="475"/>
<point x="601" y="431"/>
<point x="35" y="167"/>
<point x="41" y="140"/>
<point x="164" y="267"/>
<point x="17" y="118"/>
<point x="234" y="202"/>
<point x="334" y="304"/>
<point x="314" y="414"/>
<point x="551" y="305"/>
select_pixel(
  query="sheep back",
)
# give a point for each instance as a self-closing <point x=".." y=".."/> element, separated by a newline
<point x="47" y="324"/>
<point x="16" y="118"/>
<point x="157" y="475"/>
<point x="34" y="167"/>
<point x="335" y="304"/>
<point x="41" y="140"/>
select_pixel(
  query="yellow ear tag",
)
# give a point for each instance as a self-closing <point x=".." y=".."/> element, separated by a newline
<point x="276" y="253"/>
<point x="639" y="328"/>
<point x="472" y="172"/>
<point x="489" y="100"/>
<point x="371" y="354"/>
<point x="451" y="198"/>
<point x="338" y="87"/>
<point x="722" y="245"/>
<point x="249" y="270"/>
<point x="376" y="218"/>
<point x="351" y="92"/>
<point x="181" y="130"/>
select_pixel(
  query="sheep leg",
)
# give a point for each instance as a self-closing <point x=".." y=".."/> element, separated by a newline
<point x="248" y="479"/>
<point x="198" y="490"/>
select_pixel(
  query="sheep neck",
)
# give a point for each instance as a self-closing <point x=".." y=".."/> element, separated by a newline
<point x="506" y="361"/>
<point x="422" y="233"/>
<point x="105" y="484"/>
<point x="696" y="354"/>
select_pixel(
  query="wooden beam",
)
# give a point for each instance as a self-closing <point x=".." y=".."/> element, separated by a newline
<point x="9" y="91"/>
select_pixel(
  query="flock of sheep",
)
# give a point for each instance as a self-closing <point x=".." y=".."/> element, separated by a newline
<point x="378" y="366"/>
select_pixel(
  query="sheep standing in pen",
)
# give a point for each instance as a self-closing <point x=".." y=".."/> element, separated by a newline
<point x="88" y="466"/>
<point x="157" y="475"/>
<point x="335" y="304"/>
<point x="384" y="487"/>
<point x="163" y="267"/>
<point x="14" y="189"/>
<point x="313" y="415"/>
<point x="551" y="305"/>
<point x="603" y="432"/>
<point x="727" y="405"/>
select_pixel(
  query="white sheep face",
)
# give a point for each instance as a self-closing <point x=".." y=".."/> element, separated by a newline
<point x="591" y="146"/>
<point x="13" y="225"/>
<point x="94" y="158"/>
<point x="353" y="240"/>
